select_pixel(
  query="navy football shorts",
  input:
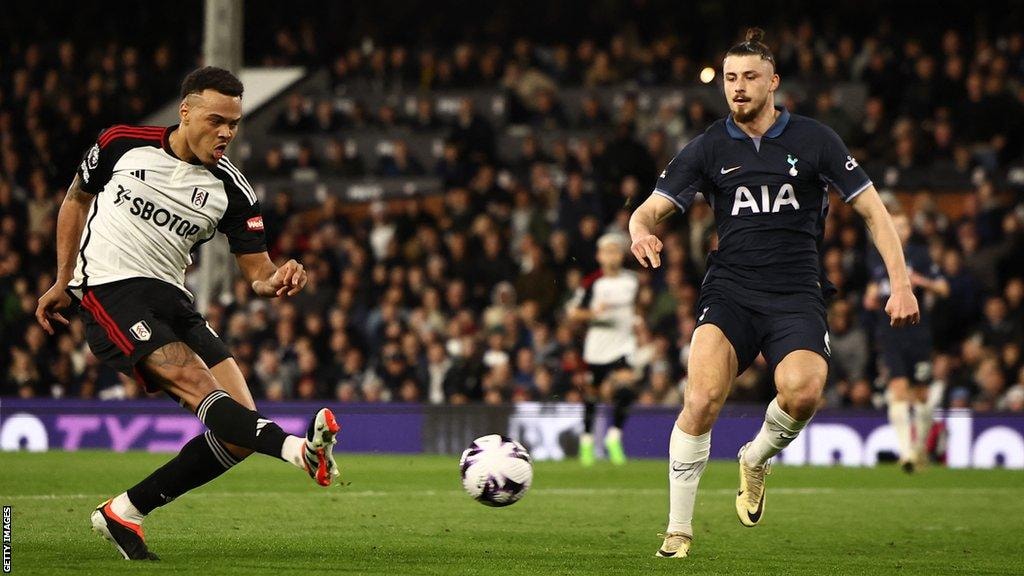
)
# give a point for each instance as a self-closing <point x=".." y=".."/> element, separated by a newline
<point x="772" y="324"/>
<point x="906" y="354"/>
<point x="126" y="321"/>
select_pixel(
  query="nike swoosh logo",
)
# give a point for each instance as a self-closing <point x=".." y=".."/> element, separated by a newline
<point x="664" y="554"/>
<point x="756" y="514"/>
<point x="724" y="171"/>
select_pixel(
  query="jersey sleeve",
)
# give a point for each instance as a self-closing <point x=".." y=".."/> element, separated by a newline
<point x="924" y="265"/>
<point x="242" y="222"/>
<point x="839" y="167"/>
<point x="684" y="175"/>
<point x="243" y="225"/>
<point x="97" y="166"/>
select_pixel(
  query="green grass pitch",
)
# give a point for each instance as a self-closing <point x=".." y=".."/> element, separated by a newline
<point x="408" y="515"/>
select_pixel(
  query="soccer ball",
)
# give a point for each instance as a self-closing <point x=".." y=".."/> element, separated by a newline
<point x="496" y="470"/>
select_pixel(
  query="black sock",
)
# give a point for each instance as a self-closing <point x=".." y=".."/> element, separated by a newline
<point x="623" y="400"/>
<point x="589" y="409"/>
<point x="201" y="460"/>
<point x="236" y="424"/>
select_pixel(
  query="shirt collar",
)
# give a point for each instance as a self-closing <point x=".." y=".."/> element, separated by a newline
<point x="166" y="143"/>
<point x="773" y="132"/>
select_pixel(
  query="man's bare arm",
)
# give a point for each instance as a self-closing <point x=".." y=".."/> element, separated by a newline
<point x="646" y="246"/>
<point x="70" y="222"/>
<point x="902" y="306"/>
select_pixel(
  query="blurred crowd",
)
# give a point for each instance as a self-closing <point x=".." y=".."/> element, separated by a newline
<point x="937" y="114"/>
<point x="460" y="296"/>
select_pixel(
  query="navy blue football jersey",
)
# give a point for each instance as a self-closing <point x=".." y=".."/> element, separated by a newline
<point x="918" y="261"/>
<point x="769" y="196"/>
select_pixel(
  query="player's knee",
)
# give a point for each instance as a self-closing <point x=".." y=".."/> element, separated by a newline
<point x="190" y="383"/>
<point x="802" y="392"/>
<point x="706" y="401"/>
<point x="238" y="452"/>
<point x="197" y="379"/>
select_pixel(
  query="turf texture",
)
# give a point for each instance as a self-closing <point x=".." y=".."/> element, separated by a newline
<point x="398" y="515"/>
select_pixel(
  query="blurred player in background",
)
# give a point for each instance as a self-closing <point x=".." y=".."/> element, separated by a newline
<point x="143" y="199"/>
<point x="765" y="173"/>
<point x="906" y="354"/>
<point x="606" y="302"/>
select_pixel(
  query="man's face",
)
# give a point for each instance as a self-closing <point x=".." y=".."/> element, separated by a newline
<point x="609" y="256"/>
<point x="903" y="228"/>
<point x="749" y="84"/>
<point x="209" y="122"/>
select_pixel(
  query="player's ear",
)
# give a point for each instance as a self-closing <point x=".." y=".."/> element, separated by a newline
<point x="775" y="82"/>
<point x="183" y="111"/>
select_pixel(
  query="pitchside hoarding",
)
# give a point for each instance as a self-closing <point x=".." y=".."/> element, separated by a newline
<point x="550" y="430"/>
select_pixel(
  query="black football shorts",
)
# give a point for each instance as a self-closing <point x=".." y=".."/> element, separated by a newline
<point x="126" y="321"/>
<point x="773" y="324"/>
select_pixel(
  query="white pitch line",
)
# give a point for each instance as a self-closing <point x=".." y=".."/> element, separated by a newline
<point x="550" y="492"/>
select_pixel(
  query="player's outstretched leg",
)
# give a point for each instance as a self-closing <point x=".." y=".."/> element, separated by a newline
<point x="180" y="372"/>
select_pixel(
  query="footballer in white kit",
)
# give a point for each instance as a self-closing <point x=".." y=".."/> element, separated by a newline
<point x="142" y="200"/>
<point x="606" y="301"/>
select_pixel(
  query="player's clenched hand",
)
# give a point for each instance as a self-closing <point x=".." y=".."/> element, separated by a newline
<point x="289" y="279"/>
<point x="648" y="249"/>
<point x="902" y="308"/>
<point x="54" y="299"/>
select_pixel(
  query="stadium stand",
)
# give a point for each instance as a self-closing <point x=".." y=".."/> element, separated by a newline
<point x="446" y="197"/>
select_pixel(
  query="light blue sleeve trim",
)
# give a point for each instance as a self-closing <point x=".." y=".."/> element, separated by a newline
<point x="849" y="198"/>
<point x="671" y="198"/>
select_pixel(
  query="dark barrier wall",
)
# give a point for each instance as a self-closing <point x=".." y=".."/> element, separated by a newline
<point x="551" y="431"/>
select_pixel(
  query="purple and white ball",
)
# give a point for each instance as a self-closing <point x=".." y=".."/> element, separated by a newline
<point x="496" y="470"/>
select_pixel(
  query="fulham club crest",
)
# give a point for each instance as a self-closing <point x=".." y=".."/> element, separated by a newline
<point x="141" y="331"/>
<point x="199" y="197"/>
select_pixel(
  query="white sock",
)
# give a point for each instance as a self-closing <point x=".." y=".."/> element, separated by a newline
<point x="899" y="418"/>
<point x="777" y="431"/>
<point x="587" y="439"/>
<point x="124" y="508"/>
<point x="613" y="435"/>
<point x="293" y="450"/>
<point x="922" y="425"/>
<point x="687" y="455"/>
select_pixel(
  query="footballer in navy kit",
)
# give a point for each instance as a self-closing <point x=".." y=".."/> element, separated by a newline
<point x="766" y="173"/>
<point x="906" y="354"/>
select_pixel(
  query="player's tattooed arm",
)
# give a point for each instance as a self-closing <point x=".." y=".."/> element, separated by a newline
<point x="646" y="246"/>
<point x="70" y="223"/>
<point x="902" y="306"/>
<point x="269" y="280"/>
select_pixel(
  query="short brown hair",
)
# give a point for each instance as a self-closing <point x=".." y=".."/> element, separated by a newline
<point x="212" y="78"/>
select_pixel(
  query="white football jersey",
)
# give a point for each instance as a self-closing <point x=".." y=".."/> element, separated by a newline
<point x="611" y="334"/>
<point x="153" y="209"/>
